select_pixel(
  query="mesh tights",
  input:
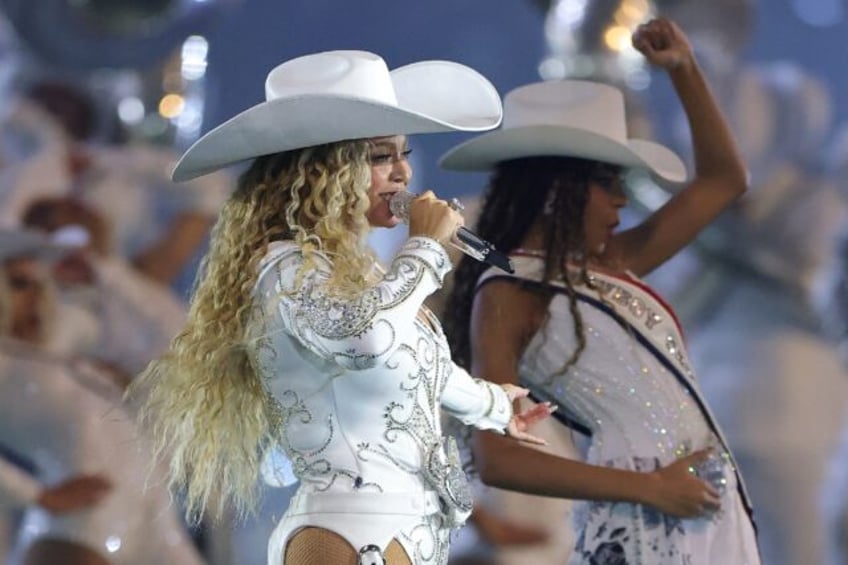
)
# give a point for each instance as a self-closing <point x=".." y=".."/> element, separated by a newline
<point x="317" y="546"/>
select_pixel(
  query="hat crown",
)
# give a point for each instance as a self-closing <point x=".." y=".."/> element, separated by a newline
<point x="567" y="118"/>
<point x="583" y="105"/>
<point x="337" y="95"/>
<point x="356" y="74"/>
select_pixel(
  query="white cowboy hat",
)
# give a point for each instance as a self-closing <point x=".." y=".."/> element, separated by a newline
<point x="569" y="118"/>
<point x="339" y="95"/>
<point x="16" y="243"/>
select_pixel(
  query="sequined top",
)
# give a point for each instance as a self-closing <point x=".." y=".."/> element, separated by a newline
<point x="633" y="390"/>
<point x="358" y="382"/>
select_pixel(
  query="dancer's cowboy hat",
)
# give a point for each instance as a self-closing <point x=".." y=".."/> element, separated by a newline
<point x="569" y="118"/>
<point x="338" y="95"/>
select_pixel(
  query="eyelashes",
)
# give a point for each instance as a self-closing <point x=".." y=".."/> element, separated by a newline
<point x="389" y="157"/>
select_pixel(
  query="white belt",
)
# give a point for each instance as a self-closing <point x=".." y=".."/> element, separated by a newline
<point x="414" y="504"/>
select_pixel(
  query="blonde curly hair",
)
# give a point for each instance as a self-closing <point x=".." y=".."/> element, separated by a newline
<point x="205" y="404"/>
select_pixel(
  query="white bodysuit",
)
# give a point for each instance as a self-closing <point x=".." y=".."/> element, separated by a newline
<point x="358" y="385"/>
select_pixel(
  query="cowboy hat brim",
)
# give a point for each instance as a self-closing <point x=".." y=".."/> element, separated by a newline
<point x="433" y="96"/>
<point x="484" y="152"/>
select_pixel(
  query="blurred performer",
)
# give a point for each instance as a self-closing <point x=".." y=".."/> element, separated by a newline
<point x="833" y="305"/>
<point x="51" y="141"/>
<point x="112" y="312"/>
<point x="775" y="382"/>
<point x="834" y="502"/>
<point x="835" y="505"/>
<point x="65" y="416"/>
<point x="19" y="489"/>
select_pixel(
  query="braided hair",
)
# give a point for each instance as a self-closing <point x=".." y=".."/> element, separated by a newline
<point x="519" y="193"/>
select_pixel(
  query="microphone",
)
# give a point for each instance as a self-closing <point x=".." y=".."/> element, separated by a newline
<point x="465" y="240"/>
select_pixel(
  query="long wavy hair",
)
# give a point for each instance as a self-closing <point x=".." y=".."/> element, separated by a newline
<point x="203" y="401"/>
<point x="521" y="192"/>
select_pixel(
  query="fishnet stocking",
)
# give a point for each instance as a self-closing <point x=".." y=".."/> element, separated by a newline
<point x="317" y="546"/>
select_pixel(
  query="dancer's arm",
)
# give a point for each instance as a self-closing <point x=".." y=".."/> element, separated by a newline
<point x="719" y="177"/>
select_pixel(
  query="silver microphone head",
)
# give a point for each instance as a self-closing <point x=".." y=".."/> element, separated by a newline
<point x="399" y="204"/>
<point x="463" y="239"/>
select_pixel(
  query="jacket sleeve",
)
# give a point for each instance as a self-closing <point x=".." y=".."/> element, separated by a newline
<point x="476" y="402"/>
<point x="359" y="331"/>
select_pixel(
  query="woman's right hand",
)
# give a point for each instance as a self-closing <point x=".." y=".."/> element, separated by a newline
<point x="521" y="422"/>
<point x="679" y="492"/>
<point x="664" y="44"/>
<point x="434" y="218"/>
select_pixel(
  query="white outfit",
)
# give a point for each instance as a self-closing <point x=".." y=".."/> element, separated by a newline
<point x="776" y="382"/>
<point x="358" y="385"/>
<point x="779" y="389"/>
<point x="124" y="318"/>
<point x="131" y="186"/>
<point x="67" y="419"/>
<point x="128" y="185"/>
<point x="632" y="390"/>
<point x="834" y="502"/>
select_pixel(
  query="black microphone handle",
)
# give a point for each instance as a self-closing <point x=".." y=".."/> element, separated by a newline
<point x="491" y="256"/>
<point x="481" y="249"/>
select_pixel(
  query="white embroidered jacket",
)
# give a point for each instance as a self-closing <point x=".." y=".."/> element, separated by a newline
<point x="358" y="383"/>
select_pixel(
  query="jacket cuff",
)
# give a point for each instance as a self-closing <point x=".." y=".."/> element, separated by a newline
<point x="431" y="253"/>
<point x="498" y="409"/>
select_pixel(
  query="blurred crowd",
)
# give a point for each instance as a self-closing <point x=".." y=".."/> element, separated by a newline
<point x="96" y="244"/>
<point x="94" y="238"/>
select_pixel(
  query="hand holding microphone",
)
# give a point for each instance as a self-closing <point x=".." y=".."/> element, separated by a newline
<point x="427" y="215"/>
<point x="442" y="221"/>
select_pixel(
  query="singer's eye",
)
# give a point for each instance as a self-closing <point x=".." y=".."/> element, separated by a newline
<point x="380" y="159"/>
<point x="387" y="158"/>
